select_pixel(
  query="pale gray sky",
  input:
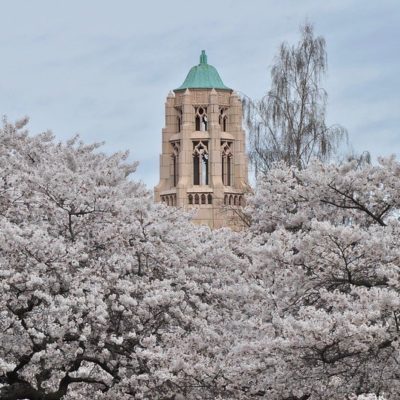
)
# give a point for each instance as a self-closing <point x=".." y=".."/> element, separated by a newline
<point x="103" y="68"/>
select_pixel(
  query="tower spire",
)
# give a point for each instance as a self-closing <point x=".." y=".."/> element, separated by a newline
<point x="203" y="57"/>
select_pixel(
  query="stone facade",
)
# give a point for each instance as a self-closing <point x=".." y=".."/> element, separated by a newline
<point x="203" y="164"/>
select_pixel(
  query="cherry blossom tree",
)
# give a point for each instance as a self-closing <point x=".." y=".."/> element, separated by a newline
<point x="104" y="294"/>
<point x="329" y="244"/>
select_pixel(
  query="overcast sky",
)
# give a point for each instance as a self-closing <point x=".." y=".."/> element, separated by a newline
<point x="104" y="68"/>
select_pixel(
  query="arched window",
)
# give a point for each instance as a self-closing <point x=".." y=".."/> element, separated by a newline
<point x="190" y="198"/>
<point x="209" y="198"/>
<point x="201" y="119"/>
<point x="203" y="199"/>
<point x="175" y="162"/>
<point x="200" y="163"/>
<point x="196" y="199"/>
<point x="223" y="119"/>
<point x="226" y="154"/>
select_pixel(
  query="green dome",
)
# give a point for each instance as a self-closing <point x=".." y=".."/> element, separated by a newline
<point x="203" y="76"/>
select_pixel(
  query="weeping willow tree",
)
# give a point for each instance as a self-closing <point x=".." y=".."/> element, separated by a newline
<point x="288" y="123"/>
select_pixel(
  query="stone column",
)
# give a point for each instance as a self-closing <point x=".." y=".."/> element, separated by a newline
<point x="239" y="157"/>
<point x="185" y="156"/>
<point x="166" y="153"/>
<point x="215" y="158"/>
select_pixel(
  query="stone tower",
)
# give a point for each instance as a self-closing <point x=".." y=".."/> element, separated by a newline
<point x="203" y="164"/>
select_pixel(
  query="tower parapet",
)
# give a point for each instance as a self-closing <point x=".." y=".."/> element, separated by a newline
<point x="203" y="164"/>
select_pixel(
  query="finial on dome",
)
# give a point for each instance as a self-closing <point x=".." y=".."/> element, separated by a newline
<point x="203" y="57"/>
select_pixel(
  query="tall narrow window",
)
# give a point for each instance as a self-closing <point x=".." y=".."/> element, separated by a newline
<point x="179" y="119"/>
<point x="201" y="121"/>
<point x="200" y="163"/>
<point x="196" y="170"/>
<point x="175" y="162"/>
<point x="223" y="118"/>
<point x="226" y="160"/>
